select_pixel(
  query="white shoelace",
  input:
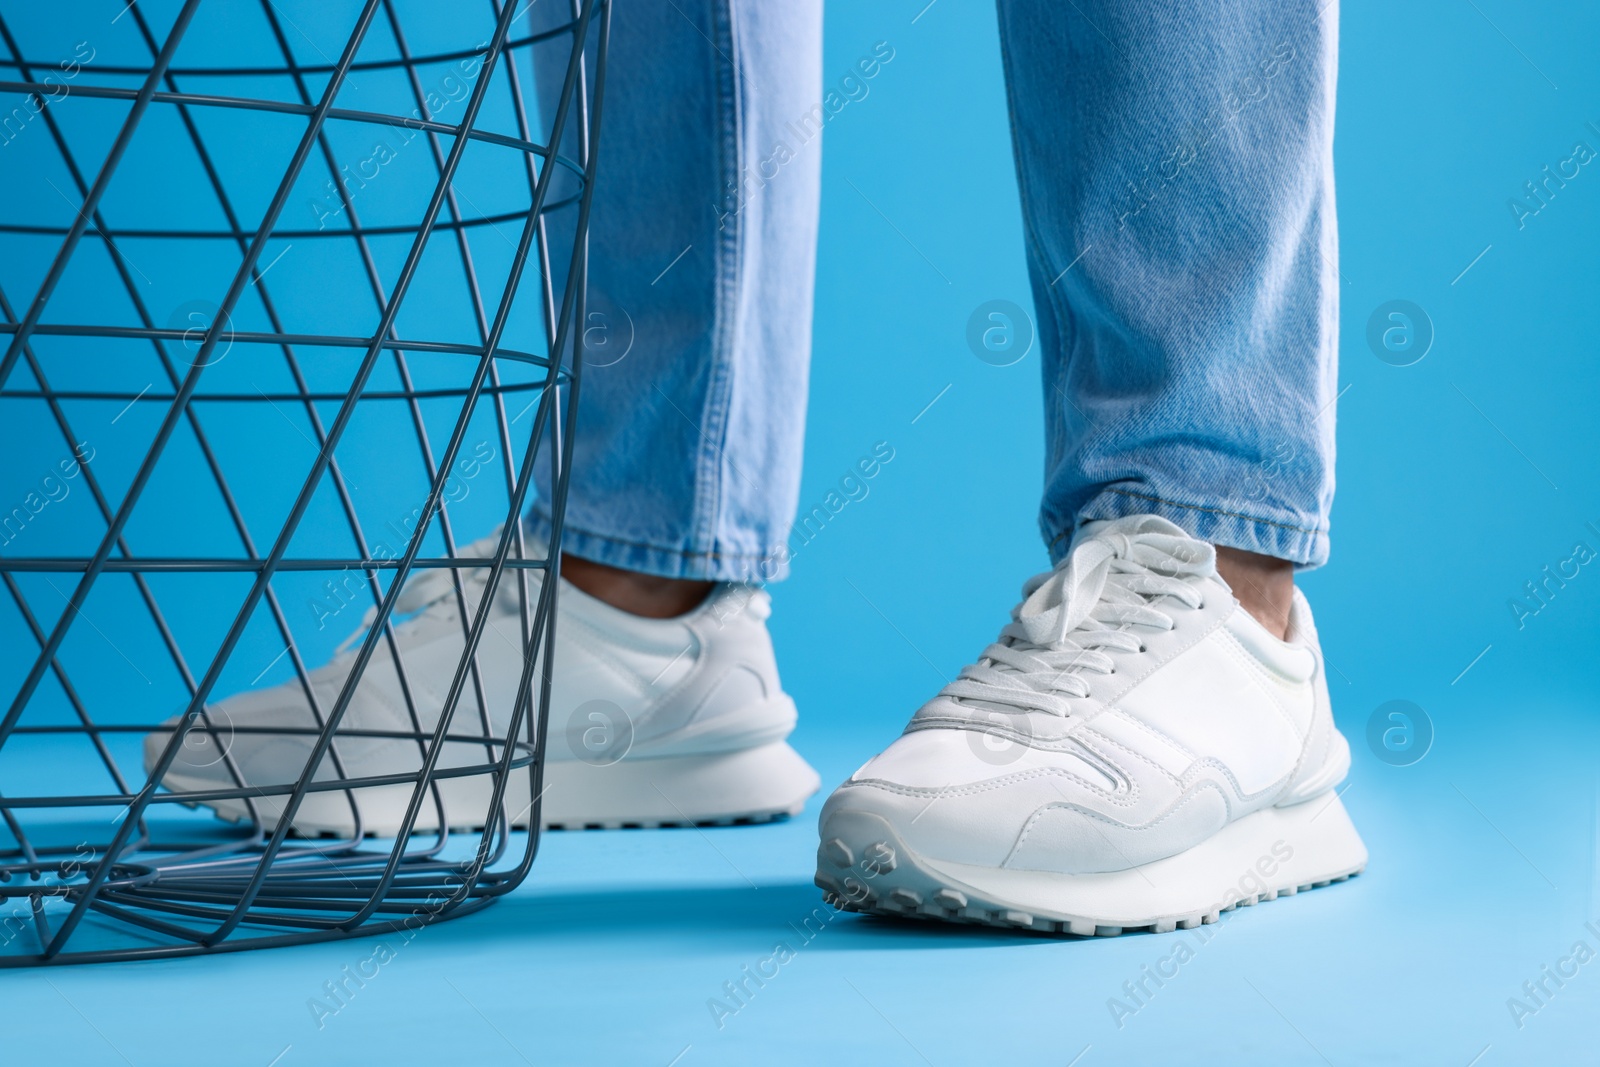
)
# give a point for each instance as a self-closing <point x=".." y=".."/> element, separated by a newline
<point x="424" y="588"/>
<point x="1091" y="601"/>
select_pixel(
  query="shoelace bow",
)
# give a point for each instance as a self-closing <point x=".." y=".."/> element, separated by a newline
<point x="1070" y="614"/>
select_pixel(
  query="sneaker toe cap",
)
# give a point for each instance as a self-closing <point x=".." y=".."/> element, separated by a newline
<point x="951" y="795"/>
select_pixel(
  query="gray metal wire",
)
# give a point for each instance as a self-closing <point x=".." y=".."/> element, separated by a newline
<point x="154" y="881"/>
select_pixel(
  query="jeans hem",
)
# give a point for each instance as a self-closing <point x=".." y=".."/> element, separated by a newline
<point x="708" y="566"/>
<point x="1304" y="546"/>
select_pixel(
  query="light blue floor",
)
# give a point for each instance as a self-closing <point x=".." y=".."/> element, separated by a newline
<point x="618" y="945"/>
<point x="1460" y="479"/>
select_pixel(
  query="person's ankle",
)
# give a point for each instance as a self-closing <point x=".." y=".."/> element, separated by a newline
<point x="1264" y="586"/>
<point x="649" y="595"/>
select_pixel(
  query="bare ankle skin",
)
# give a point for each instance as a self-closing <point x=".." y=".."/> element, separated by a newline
<point x="1263" y="584"/>
<point x="648" y="595"/>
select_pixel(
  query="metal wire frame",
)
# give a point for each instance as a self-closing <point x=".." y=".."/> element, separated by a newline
<point x="197" y="896"/>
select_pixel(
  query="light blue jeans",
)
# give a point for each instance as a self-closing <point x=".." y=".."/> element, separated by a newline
<point x="1176" y="174"/>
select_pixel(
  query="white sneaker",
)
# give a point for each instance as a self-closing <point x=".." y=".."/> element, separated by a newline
<point x="652" y="721"/>
<point x="1135" y="751"/>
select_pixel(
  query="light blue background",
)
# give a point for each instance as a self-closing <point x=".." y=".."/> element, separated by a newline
<point x="1460" y="478"/>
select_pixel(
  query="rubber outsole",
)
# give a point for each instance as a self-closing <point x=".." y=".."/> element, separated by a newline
<point x="744" y="787"/>
<point x="864" y="866"/>
<point x="758" y="818"/>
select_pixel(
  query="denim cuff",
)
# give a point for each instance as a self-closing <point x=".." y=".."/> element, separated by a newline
<point x="712" y="566"/>
<point x="1305" y="547"/>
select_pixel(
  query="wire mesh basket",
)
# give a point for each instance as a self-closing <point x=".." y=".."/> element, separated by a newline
<point x="291" y="296"/>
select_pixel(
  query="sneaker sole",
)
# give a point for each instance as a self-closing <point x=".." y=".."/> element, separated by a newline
<point x="747" y="786"/>
<point x="864" y="866"/>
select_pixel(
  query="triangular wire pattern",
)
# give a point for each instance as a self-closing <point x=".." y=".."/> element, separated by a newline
<point x="280" y="280"/>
